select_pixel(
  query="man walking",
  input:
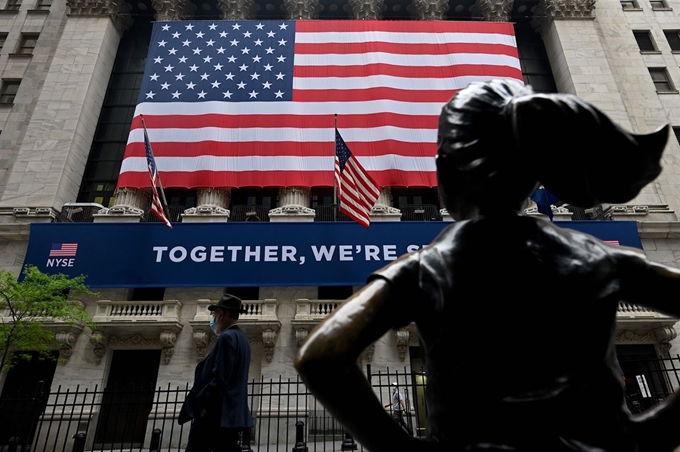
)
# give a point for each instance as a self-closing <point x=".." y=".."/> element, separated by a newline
<point x="398" y="407"/>
<point x="217" y="404"/>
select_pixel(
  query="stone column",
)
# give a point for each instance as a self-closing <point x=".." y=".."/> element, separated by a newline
<point x="493" y="10"/>
<point x="130" y="203"/>
<point x="237" y="9"/>
<point x="294" y="202"/>
<point x="383" y="210"/>
<point x="211" y="206"/>
<point x="60" y="128"/>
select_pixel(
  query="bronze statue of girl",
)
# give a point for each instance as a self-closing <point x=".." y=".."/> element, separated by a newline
<point x="515" y="314"/>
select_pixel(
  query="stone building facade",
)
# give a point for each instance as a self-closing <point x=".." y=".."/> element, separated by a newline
<point x="61" y="64"/>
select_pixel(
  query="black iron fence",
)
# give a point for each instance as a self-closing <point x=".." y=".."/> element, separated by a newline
<point x="286" y="416"/>
<point x="420" y="212"/>
<point x="242" y="212"/>
<point x="330" y="213"/>
<point x="131" y="418"/>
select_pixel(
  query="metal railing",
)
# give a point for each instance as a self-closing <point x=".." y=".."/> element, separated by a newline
<point x="138" y="418"/>
<point x="242" y="212"/>
<point x="330" y="213"/>
<point x="424" y="212"/>
<point x="174" y="213"/>
<point x="596" y="213"/>
<point x="79" y="212"/>
<point x="285" y="413"/>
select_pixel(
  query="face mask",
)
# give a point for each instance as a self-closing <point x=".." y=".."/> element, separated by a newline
<point x="213" y="327"/>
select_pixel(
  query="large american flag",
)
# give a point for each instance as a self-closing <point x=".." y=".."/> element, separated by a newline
<point x="357" y="191"/>
<point x="252" y="103"/>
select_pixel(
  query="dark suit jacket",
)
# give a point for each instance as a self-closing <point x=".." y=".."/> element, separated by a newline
<point x="220" y="383"/>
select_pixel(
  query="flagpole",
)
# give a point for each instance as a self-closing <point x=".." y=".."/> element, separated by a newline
<point x="335" y="184"/>
<point x="160" y="183"/>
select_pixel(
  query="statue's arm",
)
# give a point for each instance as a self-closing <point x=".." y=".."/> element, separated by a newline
<point x="327" y="363"/>
<point x="653" y="285"/>
<point x="648" y="283"/>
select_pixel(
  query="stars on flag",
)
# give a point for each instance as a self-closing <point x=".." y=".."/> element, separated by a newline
<point x="258" y="68"/>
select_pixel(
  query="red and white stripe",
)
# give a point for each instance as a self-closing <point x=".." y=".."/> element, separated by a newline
<point x="386" y="80"/>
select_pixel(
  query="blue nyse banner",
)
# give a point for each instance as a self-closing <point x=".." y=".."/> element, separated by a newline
<point x="243" y="254"/>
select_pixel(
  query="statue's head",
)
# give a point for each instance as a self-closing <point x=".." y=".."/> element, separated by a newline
<point x="498" y="140"/>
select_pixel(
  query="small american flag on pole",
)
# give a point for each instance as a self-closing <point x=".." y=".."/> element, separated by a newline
<point x="156" y="204"/>
<point x="357" y="191"/>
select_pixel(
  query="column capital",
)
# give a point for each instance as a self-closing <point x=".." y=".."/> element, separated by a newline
<point x="301" y="9"/>
<point x="493" y="10"/>
<point x="367" y="9"/>
<point x="430" y="9"/>
<point x="565" y="9"/>
<point x="237" y="9"/>
<point x="168" y="10"/>
<point x="119" y="11"/>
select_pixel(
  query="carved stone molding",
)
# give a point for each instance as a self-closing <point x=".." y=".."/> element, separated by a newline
<point x="301" y="9"/>
<point x="664" y="336"/>
<point x="292" y="210"/>
<point x="269" y="342"/>
<point x="168" y="339"/>
<point x="118" y="10"/>
<point x="300" y="336"/>
<point x="237" y="9"/>
<point x="368" y="353"/>
<point x="65" y="339"/>
<point x="367" y="9"/>
<point x="549" y="10"/>
<point x="402" y="342"/>
<point x="661" y="336"/>
<point x="167" y="10"/>
<point x="203" y="341"/>
<point x="493" y="10"/>
<point x="99" y="340"/>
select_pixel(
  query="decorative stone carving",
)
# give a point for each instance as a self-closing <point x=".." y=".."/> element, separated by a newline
<point x="202" y="342"/>
<point x="383" y="210"/>
<point x="66" y="339"/>
<point x="294" y="202"/>
<point x="661" y="336"/>
<point x="99" y="340"/>
<point x="237" y="9"/>
<point x="119" y="10"/>
<point x="300" y="336"/>
<point x="136" y="340"/>
<point x="402" y="342"/>
<point x="430" y="9"/>
<point x="212" y="205"/>
<point x="294" y="196"/>
<point x="167" y="10"/>
<point x="168" y="339"/>
<point x="493" y="10"/>
<point x="549" y="10"/>
<point x="367" y="9"/>
<point x="369" y="352"/>
<point x="269" y="341"/>
<point x="301" y="9"/>
<point x="664" y="336"/>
